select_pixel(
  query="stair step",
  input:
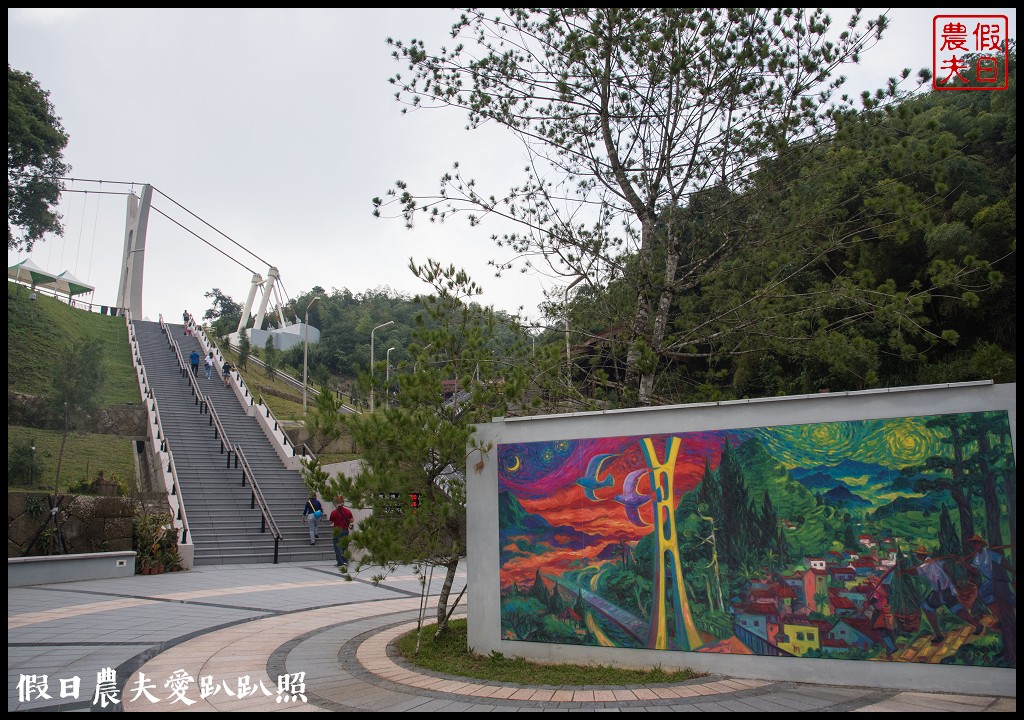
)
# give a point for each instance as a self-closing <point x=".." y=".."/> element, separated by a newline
<point x="224" y="526"/>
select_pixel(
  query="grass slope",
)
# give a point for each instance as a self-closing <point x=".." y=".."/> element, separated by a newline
<point x="85" y="455"/>
<point x="43" y="329"/>
<point x="40" y="331"/>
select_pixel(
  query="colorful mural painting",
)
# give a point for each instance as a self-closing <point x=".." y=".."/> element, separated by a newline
<point x="884" y="540"/>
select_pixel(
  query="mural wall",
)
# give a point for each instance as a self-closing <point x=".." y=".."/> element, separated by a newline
<point x="888" y="540"/>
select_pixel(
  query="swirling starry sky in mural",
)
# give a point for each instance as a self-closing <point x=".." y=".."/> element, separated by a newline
<point x="894" y="443"/>
<point x="583" y="482"/>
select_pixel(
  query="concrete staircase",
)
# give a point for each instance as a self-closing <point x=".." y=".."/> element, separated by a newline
<point x="224" y="527"/>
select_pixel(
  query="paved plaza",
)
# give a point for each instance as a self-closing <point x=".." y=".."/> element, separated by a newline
<point x="299" y="637"/>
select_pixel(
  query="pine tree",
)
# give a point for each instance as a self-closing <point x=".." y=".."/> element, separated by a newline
<point x="642" y="113"/>
<point x="539" y="590"/>
<point x="270" y="356"/>
<point x="768" y="523"/>
<point x="950" y="546"/>
<point x="424" y="442"/>
<point x="580" y="608"/>
<point x="244" y="348"/>
<point x="738" y="544"/>
<point x="555" y="603"/>
<point x="904" y="593"/>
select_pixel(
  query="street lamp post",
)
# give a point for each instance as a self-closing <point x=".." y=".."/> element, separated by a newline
<point x="305" y="350"/>
<point x="387" y="375"/>
<point x="568" y="356"/>
<point x="416" y="365"/>
<point x="389" y="322"/>
<point x="32" y="467"/>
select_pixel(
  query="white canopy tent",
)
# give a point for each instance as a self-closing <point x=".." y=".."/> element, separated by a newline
<point x="68" y="284"/>
<point x="31" y="274"/>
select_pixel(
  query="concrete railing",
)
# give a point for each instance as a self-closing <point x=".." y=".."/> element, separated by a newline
<point x="48" y="569"/>
<point x="161" y="451"/>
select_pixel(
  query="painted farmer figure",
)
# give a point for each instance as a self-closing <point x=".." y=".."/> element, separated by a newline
<point x="989" y="567"/>
<point x="882" y="621"/>
<point x="942" y="593"/>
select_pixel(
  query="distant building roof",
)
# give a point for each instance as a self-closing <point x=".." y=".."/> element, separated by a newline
<point x="756" y="609"/>
<point x="841" y="603"/>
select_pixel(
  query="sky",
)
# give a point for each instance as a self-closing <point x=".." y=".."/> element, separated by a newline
<point x="277" y="127"/>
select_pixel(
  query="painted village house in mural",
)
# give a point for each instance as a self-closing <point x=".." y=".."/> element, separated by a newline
<point x="885" y="540"/>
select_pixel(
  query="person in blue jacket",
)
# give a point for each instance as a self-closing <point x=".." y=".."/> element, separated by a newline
<point x="311" y="514"/>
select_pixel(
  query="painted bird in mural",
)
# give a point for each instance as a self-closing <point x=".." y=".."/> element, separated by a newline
<point x="591" y="480"/>
<point x="631" y="499"/>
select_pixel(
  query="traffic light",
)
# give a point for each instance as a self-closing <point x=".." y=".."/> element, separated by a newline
<point x="415" y="499"/>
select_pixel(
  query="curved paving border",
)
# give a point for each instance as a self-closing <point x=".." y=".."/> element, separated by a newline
<point x="244" y="649"/>
<point x="344" y="652"/>
<point x="249" y="647"/>
<point x="373" y="655"/>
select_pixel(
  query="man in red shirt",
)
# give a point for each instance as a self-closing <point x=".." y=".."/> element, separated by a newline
<point x="341" y="521"/>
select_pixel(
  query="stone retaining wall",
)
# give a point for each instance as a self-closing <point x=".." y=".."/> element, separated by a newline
<point x="88" y="523"/>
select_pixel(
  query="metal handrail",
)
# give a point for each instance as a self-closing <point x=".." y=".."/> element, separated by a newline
<point x="204" y="403"/>
<point x="257" y="498"/>
<point x="221" y="434"/>
<point x="285" y="440"/>
<point x="177" y="492"/>
<point x="267" y="517"/>
<point x="186" y="371"/>
<point x="150" y="396"/>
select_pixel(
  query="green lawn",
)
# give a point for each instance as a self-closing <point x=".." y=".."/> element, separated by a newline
<point x="38" y="332"/>
<point x="85" y="455"/>
<point x="45" y="328"/>
<point x="451" y="655"/>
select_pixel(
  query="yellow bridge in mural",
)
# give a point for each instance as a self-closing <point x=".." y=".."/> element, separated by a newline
<point x="668" y="579"/>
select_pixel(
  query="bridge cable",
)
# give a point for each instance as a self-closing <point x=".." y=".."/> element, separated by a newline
<point x="192" y="232"/>
<point x="265" y="262"/>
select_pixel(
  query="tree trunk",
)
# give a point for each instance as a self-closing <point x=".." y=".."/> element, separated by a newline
<point x="55" y="503"/>
<point x="959" y="486"/>
<point x="640" y="380"/>
<point x="442" y="600"/>
<point x="993" y="515"/>
<point x="963" y="507"/>
<point x="60" y="454"/>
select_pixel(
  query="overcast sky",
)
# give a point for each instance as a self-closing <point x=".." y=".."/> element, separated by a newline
<point x="278" y="127"/>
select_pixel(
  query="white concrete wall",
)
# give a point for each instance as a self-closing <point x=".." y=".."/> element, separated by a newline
<point x="69" y="568"/>
<point x="484" y="562"/>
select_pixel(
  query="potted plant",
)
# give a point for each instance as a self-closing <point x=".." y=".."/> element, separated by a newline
<point x="154" y="537"/>
<point x="172" y="559"/>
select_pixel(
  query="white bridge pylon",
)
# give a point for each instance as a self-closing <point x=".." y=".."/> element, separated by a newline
<point x="269" y="287"/>
<point x="129" y="291"/>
